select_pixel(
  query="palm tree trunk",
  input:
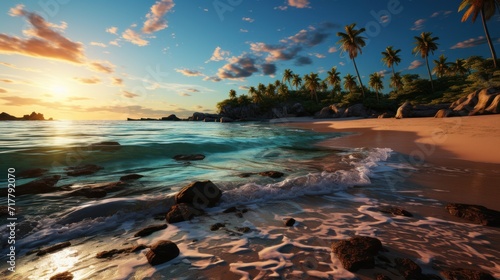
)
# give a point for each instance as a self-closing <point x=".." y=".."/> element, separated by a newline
<point x="393" y="72"/>
<point x="359" y="78"/>
<point x="429" y="70"/>
<point x="492" y="49"/>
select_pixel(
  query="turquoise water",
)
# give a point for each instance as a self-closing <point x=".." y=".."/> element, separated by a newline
<point x="317" y="189"/>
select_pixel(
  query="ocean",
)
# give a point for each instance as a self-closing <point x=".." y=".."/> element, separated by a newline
<point x="331" y="193"/>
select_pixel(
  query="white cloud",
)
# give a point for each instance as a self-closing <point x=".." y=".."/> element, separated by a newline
<point x="134" y="38"/>
<point x="415" y="64"/>
<point x="155" y="21"/>
<point x="299" y="3"/>
<point x="418" y="25"/>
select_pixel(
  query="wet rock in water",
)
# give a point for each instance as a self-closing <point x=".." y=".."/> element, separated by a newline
<point x="217" y="226"/>
<point x="150" y="229"/>
<point x="111" y="253"/>
<point x="396" y="211"/>
<point x="408" y="268"/>
<point x="161" y="252"/>
<point x="131" y="177"/>
<point x="53" y="248"/>
<point x="290" y="222"/>
<point x="245" y="175"/>
<point x="97" y="190"/>
<point x="181" y="212"/>
<point x="62" y="276"/>
<point x="243" y="229"/>
<point x="38" y="186"/>
<point x="475" y="213"/>
<point x="230" y="210"/>
<point x="466" y="274"/>
<point x="31" y="173"/>
<point x="357" y="252"/>
<point x="272" y="174"/>
<point x="200" y="194"/>
<point x="189" y="157"/>
<point x="82" y="170"/>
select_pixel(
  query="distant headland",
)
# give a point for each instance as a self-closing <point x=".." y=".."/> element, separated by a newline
<point x="33" y="117"/>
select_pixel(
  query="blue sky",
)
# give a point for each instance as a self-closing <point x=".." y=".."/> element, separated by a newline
<point x="114" y="59"/>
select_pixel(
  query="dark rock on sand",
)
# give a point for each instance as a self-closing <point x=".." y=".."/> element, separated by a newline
<point x="480" y="102"/>
<point x="444" y="113"/>
<point x="200" y="194"/>
<point x="131" y="177"/>
<point x="396" y="211"/>
<point x="408" y="268"/>
<point x="466" y="274"/>
<point x="290" y="222"/>
<point x="272" y="174"/>
<point x="230" y="210"/>
<point x="386" y="115"/>
<point x="216" y="226"/>
<point x="161" y="252"/>
<point x="111" y="253"/>
<point x="150" y="229"/>
<point x="189" y="157"/>
<point x="475" y="213"/>
<point x="357" y="252"/>
<point x="31" y="173"/>
<point x="38" y="186"/>
<point x="182" y="212"/>
<point x="62" y="276"/>
<point x="81" y="170"/>
<point x="53" y="248"/>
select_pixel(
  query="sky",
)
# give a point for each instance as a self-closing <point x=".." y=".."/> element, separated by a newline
<point x="116" y="59"/>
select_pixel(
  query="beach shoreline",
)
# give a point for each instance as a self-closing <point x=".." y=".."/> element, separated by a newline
<point x="467" y="145"/>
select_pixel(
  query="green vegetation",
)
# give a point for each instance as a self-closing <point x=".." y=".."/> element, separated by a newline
<point x="453" y="79"/>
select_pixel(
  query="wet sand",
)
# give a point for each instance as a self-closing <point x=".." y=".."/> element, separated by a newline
<point x="469" y="146"/>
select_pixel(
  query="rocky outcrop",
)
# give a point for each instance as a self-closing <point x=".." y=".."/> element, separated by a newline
<point x="226" y="120"/>
<point x="39" y="186"/>
<point x="386" y="115"/>
<point x="171" y="118"/>
<point x="199" y="194"/>
<point x="6" y="117"/>
<point x="161" y="252"/>
<point x="32" y="117"/>
<point x="409" y="269"/>
<point x="444" y="113"/>
<point x="480" y="102"/>
<point x="181" y="212"/>
<point x="150" y="230"/>
<point x="197" y="116"/>
<point x="357" y="252"/>
<point x="111" y="253"/>
<point x="329" y="112"/>
<point x="475" y="213"/>
<point x="356" y="110"/>
<point x="406" y="110"/>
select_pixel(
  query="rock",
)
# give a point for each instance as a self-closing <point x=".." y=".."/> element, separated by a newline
<point x="396" y="211"/>
<point x="484" y="100"/>
<point x="161" y="252"/>
<point x="199" y="194"/>
<point x="226" y="120"/>
<point x="272" y="174"/>
<point x="39" y="186"/>
<point x="408" y="268"/>
<point x="466" y="274"/>
<point x="111" y="253"/>
<point x="216" y="226"/>
<point x="172" y="117"/>
<point x="480" y="102"/>
<point x="356" y="110"/>
<point x="130" y="177"/>
<point x="494" y="107"/>
<point x="475" y="213"/>
<point x="326" y="113"/>
<point x="386" y="115"/>
<point x="427" y="111"/>
<point x="181" y="212"/>
<point x="230" y="210"/>
<point x="34" y="117"/>
<point x="244" y="229"/>
<point x="150" y="229"/>
<point x="6" y="117"/>
<point x="81" y="170"/>
<point x="208" y="119"/>
<point x="444" y="113"/>
<point x="62" y="276"/>
<point x="31" y="173"/>
<point x="98" y="190"/>
<point x="404" y="111"/>
<point x="290" y="222"/>
<point x="189" y="157"/>
<point x="53" y="248"/>
<point x="357" y="252"/>
<point x="245" y="175"/>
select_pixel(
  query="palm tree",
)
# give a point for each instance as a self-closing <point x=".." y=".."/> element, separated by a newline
<point x="333" y="78"/>
<point x="270" y="91"/>
<point x="323" y="86"/>
<point x="376" y="83"/>
<point x="277" y="83"/>
<point x="459" y="67"/>
<point x="262" y="89"/>
<point x="232" y="94"/>
<point x="352" y="42"/>
<point x="311" y="82"/>
<point x="396" y="81"/>
<point x="287" y="76"/>
<point x="256" y="95"/>
<point x="391" y="57"/>
<point x="283" y="91"/>
<point x="426" y="44"/>
<point x="296" y="81"/>
<point x="441" y="68"/>
<point x="350" y="83"/>
<point x="486" y="8"/>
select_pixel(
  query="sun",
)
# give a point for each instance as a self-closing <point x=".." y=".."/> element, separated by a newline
<point x="59" y="90"/>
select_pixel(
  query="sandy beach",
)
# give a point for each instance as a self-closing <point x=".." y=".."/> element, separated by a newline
<point x="468" y="145"/>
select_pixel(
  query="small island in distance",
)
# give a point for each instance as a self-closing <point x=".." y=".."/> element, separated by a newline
<point x="33" y="117"/>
